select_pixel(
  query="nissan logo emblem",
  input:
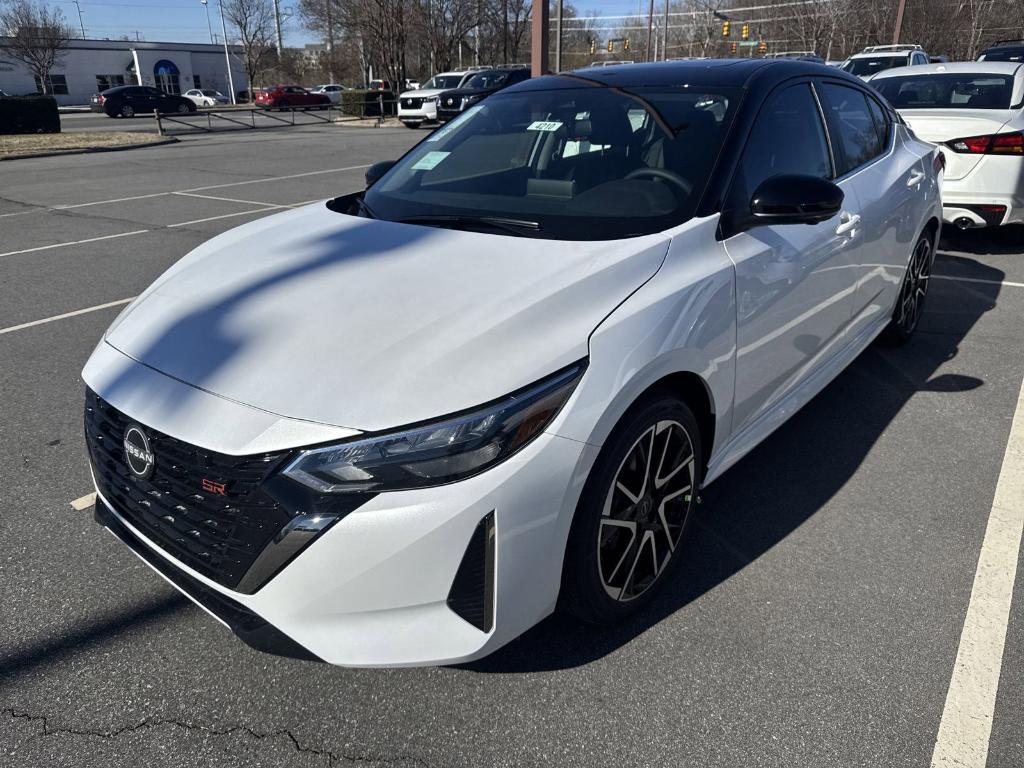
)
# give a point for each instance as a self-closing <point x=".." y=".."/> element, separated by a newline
<point x="137" y="453"/>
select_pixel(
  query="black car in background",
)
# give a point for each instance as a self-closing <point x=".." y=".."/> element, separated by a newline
<point x="481" y="85"/>
<point x="1003" y="50"/>
<point x="131" y="100"/>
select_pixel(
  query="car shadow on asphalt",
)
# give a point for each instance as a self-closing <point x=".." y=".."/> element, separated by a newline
<point x="990" y="240"/>
<point x="770" y="493"/>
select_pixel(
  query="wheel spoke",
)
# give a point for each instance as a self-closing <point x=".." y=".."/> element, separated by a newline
<point x="636" y="559"/>
<point x="631" y="527"/>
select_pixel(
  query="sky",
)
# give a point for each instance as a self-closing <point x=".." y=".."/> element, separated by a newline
<point x="185" y="20"/>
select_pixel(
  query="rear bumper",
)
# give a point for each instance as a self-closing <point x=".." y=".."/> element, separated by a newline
<point x="994" y="181"/>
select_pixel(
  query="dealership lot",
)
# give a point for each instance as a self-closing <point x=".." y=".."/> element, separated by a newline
<point x="815" y="621"/>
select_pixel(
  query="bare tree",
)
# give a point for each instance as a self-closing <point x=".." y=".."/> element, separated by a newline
<point x="254" y="20"/>
<point x="37" y="37"/>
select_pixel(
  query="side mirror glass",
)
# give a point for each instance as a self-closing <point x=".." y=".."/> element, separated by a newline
<point x="791" y="199"/>
<point x="375" y="171"/>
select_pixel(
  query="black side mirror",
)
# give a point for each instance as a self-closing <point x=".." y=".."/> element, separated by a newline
<point x="791" y="199"/>
<point x="375" y="171"/>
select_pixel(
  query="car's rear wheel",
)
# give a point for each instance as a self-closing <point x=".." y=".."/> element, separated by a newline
<point x="633" y="512"/>
<point x="283" y="104"/>
<point x="127" y="110"/>
<point x="906" y="315"/>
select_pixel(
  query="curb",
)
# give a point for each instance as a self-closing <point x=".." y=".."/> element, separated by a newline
<point x="90" y="150"/>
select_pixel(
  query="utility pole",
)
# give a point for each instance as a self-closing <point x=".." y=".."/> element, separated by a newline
<point x="504" y="30"/>
<point x="209" y="26"/>
<point x="664" y="36"/>
<point x="558" y="39"/>
<point x="650" y="28"/>
<point x="80" y="22"/>
<point x="277" y="25"/>
<point x="539" y="38"/>
<point x="900" y="9"/>
<point x="227" y="56"/>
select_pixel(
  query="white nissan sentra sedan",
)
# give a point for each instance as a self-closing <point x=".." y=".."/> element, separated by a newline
<point x="404" y="425"/>
<point x="973" y="110"/>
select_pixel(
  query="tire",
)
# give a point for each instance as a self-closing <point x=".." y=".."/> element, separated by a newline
<point x="906" y="315"/>
<point x="127" y="110"/>
<point x="414" y="126"/>
<point x="283" y="104"/>
<point x="183" y="108"/>
<point x="650" y="520"/>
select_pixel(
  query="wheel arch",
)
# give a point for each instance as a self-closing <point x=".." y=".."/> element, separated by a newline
<point x="693" y="390"/>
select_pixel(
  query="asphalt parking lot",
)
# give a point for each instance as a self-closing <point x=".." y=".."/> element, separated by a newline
<point x="815" y="621"/>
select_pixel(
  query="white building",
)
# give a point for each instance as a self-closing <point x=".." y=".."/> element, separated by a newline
<point x="89" y="66"/>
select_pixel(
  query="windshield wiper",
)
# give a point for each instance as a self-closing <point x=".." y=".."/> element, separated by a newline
<point x="365" y="208"/>
<point x="519" y="227"/>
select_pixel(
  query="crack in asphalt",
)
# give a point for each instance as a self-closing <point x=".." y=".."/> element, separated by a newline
<point x="333" y="758"/>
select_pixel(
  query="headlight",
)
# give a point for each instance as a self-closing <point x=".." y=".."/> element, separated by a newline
<point x="470" y="100"/>
<point x="437" y="453"/>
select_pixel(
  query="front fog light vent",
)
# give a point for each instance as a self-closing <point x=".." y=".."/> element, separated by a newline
<point x="472" y="592"/>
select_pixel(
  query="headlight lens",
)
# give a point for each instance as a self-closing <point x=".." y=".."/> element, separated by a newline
<point x="437" y="453"/>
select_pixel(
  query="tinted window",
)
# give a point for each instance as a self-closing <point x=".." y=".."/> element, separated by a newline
<point x="869" y="66"/>
<point x="486" y="80"/>
<point x="851" y="126"/>
<point x="788" y="138"/>
<point x="443" y="81"/>
<point x="947" y="91"/>
<point x="881" y="120"/>
<point x="583" y="163"/>
<point x="1002" y="54"/>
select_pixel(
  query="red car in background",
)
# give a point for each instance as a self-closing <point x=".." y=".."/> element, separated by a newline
<point x="290" y="97"/>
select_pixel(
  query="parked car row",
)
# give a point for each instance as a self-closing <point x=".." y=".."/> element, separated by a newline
<point x="447" y="94"/>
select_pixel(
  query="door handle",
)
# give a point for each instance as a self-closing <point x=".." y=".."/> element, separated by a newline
<point x="848" y="224"/>
<point x="916" y="177"/>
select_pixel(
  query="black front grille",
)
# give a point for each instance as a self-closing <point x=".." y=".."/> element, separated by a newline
<point x="412" y="103"/>
<point x="218" y="535"/>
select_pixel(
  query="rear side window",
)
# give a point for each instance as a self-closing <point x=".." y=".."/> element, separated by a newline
<point x="788" y="138"/>
<point x="855" y="139"/>
<point x="881" y="119"/>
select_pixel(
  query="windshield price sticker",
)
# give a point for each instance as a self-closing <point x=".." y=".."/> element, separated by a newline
<point x="544" y="125"/>
<point x="430" y="161"/>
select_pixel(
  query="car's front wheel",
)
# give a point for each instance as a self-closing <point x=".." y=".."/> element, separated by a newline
<point x="910" y="304"/>
<point x="127" y="110"/>
<point x="633" y="512"/>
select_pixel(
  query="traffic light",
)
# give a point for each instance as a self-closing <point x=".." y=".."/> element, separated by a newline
<point x="593" y="47"/>
<point x="745" y="31"/>
<point x="732" y="48"/>
<point x="726" y="28"/>
<point x="762" y="48"/>
<point x="611" y="46"/>
<point x="625" y="44"/>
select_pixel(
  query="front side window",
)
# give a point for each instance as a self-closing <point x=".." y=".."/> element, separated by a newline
<point x="788" y="138"/>
<point x="947" y="91"/>
<point x="573" y="164"/>
<point x="855" y="138"/>
<point x="869" y="66"/>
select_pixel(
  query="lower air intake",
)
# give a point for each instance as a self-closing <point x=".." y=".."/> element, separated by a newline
<point x="472" y="593"/>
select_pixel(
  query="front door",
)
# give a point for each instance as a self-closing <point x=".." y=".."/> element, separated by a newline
<point x="794" y="282"/>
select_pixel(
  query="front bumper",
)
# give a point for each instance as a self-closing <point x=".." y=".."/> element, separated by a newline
<point x="427" y="113"/>
<point x="375" y="589"/>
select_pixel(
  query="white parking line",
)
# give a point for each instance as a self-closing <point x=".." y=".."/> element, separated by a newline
<point x="66" y="315"/>
<point x="966" y="724"/>
<point x="223" y="199"/>
<point x="43" y="208"/>
<point x="84" y="502"/>
<point x="74" y="242"/>
<point x="1009" y="283"/>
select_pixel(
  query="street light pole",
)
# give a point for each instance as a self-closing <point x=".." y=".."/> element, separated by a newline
<point x="80" y="22"/>
<point x="209" y="26"/>
<point x="227" y="57"/>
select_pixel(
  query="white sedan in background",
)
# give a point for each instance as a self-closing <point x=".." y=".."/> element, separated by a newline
<point x="206" y="97"/>
<point x="332" y="91"/>
<point x="973" y="110"/>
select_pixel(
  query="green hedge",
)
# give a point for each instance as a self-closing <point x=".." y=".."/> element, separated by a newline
<point x="29" y="114"/>
<point x="363" y="103"/>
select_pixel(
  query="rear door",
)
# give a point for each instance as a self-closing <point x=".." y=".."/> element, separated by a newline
<point x="888" y="182"/>
<point x="794" y="285"/>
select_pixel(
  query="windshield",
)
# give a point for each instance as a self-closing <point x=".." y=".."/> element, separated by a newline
<point x="443" y="82"/>
<point x="947" y="91"/>
<point x="487" y="80"/>
<point x="579" y="164"/>
<point x="865" y="67"/>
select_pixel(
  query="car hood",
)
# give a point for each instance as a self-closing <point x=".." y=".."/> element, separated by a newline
<point x="421" y="93"/>
<point x="460" y="92"/>
<point x="368" y="324"/>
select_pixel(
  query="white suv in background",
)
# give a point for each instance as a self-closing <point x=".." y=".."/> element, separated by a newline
<point x="877" y="58"/>
<point x="420" y="105"/>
